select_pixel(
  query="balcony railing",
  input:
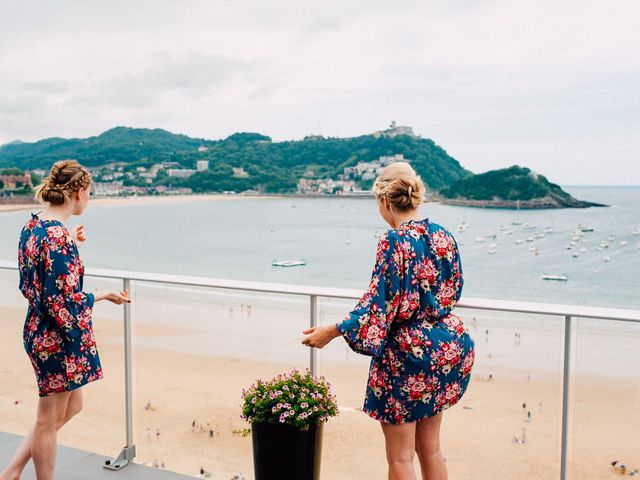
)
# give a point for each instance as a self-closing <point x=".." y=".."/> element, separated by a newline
<point x="564" y="313"/>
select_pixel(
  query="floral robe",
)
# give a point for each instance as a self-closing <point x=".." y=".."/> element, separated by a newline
<point x="58" y="333"/>
<point x="422" y="353"/>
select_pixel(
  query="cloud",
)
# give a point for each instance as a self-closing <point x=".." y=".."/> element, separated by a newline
<point x="491" y="80"/>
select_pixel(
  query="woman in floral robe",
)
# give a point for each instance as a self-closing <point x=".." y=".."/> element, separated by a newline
<point x="422" y="355"/>
<point x="58" y="333"/>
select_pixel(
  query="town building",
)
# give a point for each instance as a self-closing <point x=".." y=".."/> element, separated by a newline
<point x="107" y="189"/>
<point x="202" y="165"/>
<point x="180" y="172"/>
<point x="11" y="182"/>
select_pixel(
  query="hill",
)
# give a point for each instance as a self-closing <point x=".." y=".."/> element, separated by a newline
<point x="510" y="188"/>
<point x="269" y="166"/>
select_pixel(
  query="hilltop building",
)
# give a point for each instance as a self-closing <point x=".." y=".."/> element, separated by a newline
<point x="395" y="130"/>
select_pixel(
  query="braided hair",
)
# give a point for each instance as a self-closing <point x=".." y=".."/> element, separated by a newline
<point x="400" y="185"/>
<point x="65" y="178"/>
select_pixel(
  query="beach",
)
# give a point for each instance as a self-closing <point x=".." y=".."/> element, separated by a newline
<point x="172" y="389"/>
<point x="140" y="200"/>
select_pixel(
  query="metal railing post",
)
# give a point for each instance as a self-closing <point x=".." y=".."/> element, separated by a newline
<point x="313" y="322"/>
<point x="565" y="396"/>
<point x="128" y="453"/>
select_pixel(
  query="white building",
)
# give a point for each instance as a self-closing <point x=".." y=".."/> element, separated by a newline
<point x="107" y="189"/>
<point x="202" y="165"/>
<point x="180" y="173"/>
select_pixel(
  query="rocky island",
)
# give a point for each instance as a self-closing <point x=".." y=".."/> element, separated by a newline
<point x="513" y="187"/>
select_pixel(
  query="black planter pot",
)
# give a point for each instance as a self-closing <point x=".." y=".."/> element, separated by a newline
<point x="282" y="452"/>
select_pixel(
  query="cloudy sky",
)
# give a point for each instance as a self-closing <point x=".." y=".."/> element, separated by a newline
<point x="551" y="85"/>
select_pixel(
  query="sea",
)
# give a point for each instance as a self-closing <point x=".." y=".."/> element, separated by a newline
<point x="597" y="249"/>
<point x="337" y="236"/>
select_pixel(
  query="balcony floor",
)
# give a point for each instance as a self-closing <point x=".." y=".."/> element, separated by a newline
<point x="75" y="464"/>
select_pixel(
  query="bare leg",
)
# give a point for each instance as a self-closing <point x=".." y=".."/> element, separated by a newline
<point x="19" y="460"/>
<point x="23" y="453"/>
<point x="428" y="448"/>
<point x="400" y="446"/>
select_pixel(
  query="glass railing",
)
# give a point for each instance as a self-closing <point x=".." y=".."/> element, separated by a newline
<point x="554" y="387"/>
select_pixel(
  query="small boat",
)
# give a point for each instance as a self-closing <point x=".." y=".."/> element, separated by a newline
<point x="604" y="245"/>
<point x="548" y="230"/>
<point x="583" y="250"/>
<point x="560" y="278"/>
<point x="530" y="239"/>
<point x="585" y="228"/>
<point x="635" y="231"/>
<point x="606" y="259"/>
<point x="575" y="255"/>
<point x="533" y="248"/>
<point x="519" y="242"/>
<point x="493" y="249"/>
<point x="479" y="240"/>
<point x="463" y="226"/>
<point x="516" y="222"/>
<point x="538" y="235"/>
<point x="529" y="225"/>
<point x="623" y="242"/>
<point x="288" y="263"/>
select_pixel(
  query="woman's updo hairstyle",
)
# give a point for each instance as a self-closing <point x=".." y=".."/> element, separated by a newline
<point x="65" y="178"/>
<point x="400" y="185"/>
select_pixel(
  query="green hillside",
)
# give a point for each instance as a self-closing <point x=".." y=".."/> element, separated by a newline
<point x="271" y="166"/>
<point x="509" y="187"/>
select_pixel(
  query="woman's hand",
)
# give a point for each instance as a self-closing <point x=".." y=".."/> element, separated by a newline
<point x="79" y="235"/>
<point x="318" y="337"/>
<point x="114" y="297"/>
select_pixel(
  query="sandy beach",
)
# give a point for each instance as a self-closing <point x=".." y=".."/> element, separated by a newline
<point x="478" y="439"/>
<point x="141" y="200"/>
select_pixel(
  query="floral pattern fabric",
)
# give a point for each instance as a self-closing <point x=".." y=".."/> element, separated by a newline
<point x="422" y="355"/>
<point x="58" y="332"/>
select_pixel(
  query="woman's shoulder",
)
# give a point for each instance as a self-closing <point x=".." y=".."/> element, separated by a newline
<point x="53" y="233"/>
<point x="436" y="227"/>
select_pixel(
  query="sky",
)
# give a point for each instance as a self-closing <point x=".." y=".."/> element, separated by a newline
<point x="554" y="86"/>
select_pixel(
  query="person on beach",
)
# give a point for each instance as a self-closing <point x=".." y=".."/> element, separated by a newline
<point x="422" y="353"/>
<point x="58" y="332"/>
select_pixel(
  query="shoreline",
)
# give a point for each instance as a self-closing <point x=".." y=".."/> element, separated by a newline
<point x="206" y="197"/>
<point x="143" y="200"/>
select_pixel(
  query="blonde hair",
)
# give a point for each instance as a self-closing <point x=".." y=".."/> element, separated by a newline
<point x="400" y="185"/>
<point x="65" y="178"/>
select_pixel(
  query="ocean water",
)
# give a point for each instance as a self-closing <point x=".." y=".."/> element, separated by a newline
<point x="239" y="239"/>
<point x="337" y="238"/>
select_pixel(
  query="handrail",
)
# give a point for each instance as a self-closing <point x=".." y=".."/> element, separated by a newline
<point x="568" y="313"/>
<point x="561" y="310"/>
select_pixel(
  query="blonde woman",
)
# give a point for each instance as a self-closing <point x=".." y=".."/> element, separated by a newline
<point x="422" y="353"/>
<point x="58" y="333"/>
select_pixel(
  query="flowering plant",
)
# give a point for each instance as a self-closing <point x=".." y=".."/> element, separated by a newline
<point x="295" y="398"/>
